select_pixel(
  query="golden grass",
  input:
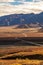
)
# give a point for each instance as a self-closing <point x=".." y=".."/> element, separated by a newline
<point x="21" y="62"/>
<point x="12" y="32"/>
<point x="30" y="49"/>
<point x="20" y="51"/>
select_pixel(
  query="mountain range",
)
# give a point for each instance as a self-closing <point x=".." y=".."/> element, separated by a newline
<point x="21" y="19"/>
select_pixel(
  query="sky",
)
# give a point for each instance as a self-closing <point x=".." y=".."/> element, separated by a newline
<point x="19" y="6"/>
<point x="15" y="0"/>
<point x="6" y="0"/>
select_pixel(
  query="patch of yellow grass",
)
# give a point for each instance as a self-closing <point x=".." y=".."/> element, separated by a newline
<point x="16" y="64"/>
<point x="22" y="62"/>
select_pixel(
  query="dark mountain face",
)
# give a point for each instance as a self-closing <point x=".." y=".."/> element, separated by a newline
<point x="15" y="19"/>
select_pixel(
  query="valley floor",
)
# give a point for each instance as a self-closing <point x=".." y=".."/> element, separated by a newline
<point x="15" y="33"/>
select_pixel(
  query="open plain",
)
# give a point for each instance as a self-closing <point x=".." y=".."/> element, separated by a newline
<point x="20" y="55"/>
<point x="11" y="31"/>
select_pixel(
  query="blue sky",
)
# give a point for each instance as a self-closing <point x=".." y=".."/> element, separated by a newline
<point x="14" y="2"/>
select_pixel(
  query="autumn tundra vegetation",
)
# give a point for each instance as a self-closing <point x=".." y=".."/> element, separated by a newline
<point x="21" y="55"/>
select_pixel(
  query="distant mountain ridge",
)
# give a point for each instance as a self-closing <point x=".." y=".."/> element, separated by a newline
<point x="18" y="19"/>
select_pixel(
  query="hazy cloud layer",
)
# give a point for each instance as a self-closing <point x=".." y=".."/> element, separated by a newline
<point x="18" y="0"/>
<point x="11" y="0"/>
<point x="6" y="0"/>
<point x="8" y="8"/>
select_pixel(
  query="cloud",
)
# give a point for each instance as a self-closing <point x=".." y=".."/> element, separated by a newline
<point x="7" y="8"/>
<point x="6" y="0"/>
<point x="12" y="0"/>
